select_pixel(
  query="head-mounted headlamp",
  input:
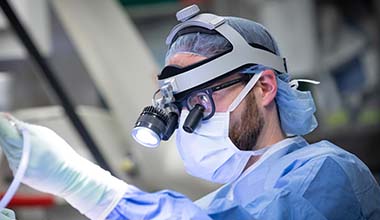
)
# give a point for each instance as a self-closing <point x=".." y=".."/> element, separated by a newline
<point x="159" y="121"/>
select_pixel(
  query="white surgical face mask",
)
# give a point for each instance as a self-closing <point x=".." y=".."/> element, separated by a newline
<point x="209" y="153"/>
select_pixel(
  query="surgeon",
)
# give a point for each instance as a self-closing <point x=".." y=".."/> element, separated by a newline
<point x="239" y="121"/>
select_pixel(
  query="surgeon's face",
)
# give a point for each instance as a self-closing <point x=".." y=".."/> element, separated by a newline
<point x="246" y="121"/>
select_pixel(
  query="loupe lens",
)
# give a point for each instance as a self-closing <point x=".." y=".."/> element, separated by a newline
<point x="193" y="119"/>
<point x="203" y="99"/>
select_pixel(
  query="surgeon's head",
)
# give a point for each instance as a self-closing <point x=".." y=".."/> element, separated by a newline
<point x="258" y="109"/>
<point x="227" y="88"/>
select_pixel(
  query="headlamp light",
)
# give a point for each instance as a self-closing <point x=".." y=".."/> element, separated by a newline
<point x="154" y="125"/>
<point x="150" y="126"/>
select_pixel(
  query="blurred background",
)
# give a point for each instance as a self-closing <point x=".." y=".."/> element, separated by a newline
<point x="99" y="60"/>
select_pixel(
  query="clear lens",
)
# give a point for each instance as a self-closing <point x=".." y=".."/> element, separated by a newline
<point x="146" y="137"/>
<point x="203" y="99"/>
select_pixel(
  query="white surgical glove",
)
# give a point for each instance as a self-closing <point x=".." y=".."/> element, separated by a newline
<point x="54" y="167"/>
<point x="7" y="214"/>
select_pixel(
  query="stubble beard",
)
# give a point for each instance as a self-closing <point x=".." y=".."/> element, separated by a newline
<point x="245" y="132"/>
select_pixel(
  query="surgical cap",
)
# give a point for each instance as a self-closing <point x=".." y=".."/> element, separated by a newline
<point x="209" y="45"/>
<point x="296" y="108"/>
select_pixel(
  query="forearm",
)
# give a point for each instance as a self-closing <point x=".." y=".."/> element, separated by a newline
<point x="54" y="167"/>
<point x="166" y="204"/>
<point x="93" y="191"/>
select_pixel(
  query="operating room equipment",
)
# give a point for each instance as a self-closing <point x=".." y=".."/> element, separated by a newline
<point x="176" y="82"/>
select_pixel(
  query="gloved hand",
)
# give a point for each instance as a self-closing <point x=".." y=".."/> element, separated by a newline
<point x="7" y="214"/>
<point x="54" y="167"/>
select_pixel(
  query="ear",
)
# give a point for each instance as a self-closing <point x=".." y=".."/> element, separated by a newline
<point x="267" y="86"/>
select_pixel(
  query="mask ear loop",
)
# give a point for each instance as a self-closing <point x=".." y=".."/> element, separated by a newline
<point x="252" y="82"/>
<point x="295" y="82"/>
<point x="21" y="169"/>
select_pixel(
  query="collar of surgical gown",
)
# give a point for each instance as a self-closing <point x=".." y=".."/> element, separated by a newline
<point x="261" y="176"/>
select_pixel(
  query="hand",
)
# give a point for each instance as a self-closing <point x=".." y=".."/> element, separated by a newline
<point x="7" y="214"/>
<point x="54" y="167"/>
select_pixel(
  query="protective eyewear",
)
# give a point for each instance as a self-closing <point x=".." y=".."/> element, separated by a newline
<point x="203" y="97"/>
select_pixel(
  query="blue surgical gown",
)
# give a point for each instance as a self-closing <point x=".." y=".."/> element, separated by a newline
<point x="292" y="180"/>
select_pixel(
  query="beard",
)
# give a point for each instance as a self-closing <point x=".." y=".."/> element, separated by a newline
<point x="245" y="132"/>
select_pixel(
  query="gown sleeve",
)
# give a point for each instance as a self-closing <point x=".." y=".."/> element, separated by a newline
<point x="165" y="204"/>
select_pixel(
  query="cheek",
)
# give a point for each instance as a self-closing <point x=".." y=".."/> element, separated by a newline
<point x="234" y="120"/>
<point x="235" y="116"/>
<point x="222" y="104"/>
<point x="224" y="98"/>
